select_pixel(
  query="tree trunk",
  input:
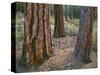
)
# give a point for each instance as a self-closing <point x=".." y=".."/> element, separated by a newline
<point x="37" y="43"/>
<point x="67" y="13"/>
<point x="43" y="37"/>
<point x="71" y="12"/>
<point x="59" y="21"/>
<point x="27" y="47"/>
<point x="82" y="49"/>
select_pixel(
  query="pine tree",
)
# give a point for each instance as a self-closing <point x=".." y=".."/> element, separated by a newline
<point x="59" y="21"/>
<point x="37" y="34"/>
<point x="82" y="49"/>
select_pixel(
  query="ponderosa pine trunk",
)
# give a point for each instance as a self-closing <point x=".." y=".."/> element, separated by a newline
<point x="82" y="49"/>
<point x="59" y="21"/>
<point x="37" y="39"/>
<point x="42" y="39"/>
<point x="27" y="46"/>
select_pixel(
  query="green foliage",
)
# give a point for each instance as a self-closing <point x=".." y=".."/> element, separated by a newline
<point x="20" y="7"/>
<point x="52" y="10"/>
<point x="94" y="37"/>
<point x="76" y="11"/>
<point x="51" y="20"/>
<point x="71" y="28"/>
<point x="73" y="11"/>
<point x="19" y="30"/>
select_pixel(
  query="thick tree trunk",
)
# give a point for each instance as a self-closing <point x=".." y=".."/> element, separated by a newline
<point x="82" y="49"/>
<point x="37" y="43"/>
<point x="47" y="31"/>
<point x="27" y="47"/>
<point x="59" y="21"/>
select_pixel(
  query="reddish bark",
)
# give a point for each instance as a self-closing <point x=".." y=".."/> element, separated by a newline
<point x="37" y="41"/>
<point x="59" y="21"/>
<point x="82" y="49"/>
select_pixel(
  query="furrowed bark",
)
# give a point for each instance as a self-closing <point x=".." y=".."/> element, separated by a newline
<point x="59" y="21"/>
<point x="82" y="49"/>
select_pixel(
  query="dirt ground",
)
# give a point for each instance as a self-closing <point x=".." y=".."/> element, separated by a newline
<point x="63" y="49"/>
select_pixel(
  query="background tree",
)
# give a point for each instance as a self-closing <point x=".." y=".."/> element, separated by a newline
<point x="82" y="49"/>
<point x="76" y="12"/>
<point x="37" y="35"/>
<point x="71" y="12"/>
<point x="51" y="10"/>
<point x="66" y="12"/>
<point x="59" y="21"/>
<point x="20" y="7"/>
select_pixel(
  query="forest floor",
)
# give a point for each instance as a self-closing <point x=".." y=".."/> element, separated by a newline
<point x="63" y="50"/>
